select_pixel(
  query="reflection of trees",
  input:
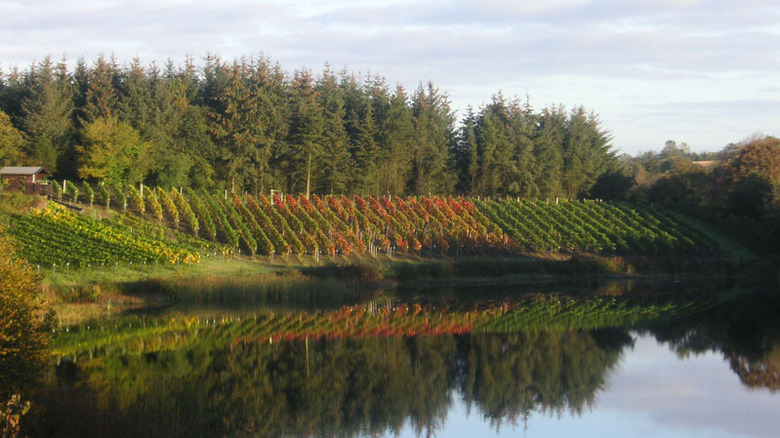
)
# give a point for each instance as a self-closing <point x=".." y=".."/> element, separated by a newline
<point x="759" y="374"/>
<point x="319" y="387"/>
<point x="510" y="376"/>
<point x="746" y="330"/>
<point x="341" y="387"/>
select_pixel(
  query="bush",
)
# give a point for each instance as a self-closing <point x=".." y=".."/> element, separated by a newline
<point x="24" y="332"/>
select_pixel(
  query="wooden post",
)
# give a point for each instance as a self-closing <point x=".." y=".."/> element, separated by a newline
<point x="307" y="356"/>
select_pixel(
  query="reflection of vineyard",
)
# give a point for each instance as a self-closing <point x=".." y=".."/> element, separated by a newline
<point x="142" y="334"/>
<point x="342" y="226"/>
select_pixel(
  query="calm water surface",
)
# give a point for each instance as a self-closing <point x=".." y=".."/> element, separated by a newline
<point x="653" y="393"/>
<point x="543" y="361"/>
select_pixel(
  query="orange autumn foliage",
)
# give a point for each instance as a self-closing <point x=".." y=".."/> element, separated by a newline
<point x="24" y="326"/>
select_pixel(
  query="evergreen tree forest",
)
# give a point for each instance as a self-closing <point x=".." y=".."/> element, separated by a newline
<point x="248" y="125"/>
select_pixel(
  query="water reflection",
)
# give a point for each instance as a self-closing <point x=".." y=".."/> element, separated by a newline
<point x="373" y="369"/>
<point x="746" y="330"/>
<point x="340" y="387"/>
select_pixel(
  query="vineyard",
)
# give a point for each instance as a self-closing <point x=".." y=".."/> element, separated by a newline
<point x="56" y="237"/>
<point x="339" y="225"/>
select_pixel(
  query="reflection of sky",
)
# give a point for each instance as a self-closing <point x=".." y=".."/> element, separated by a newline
<point x="651" y="394"/>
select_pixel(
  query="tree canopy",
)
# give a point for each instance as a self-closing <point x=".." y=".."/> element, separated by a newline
<point x="112" y="152"/>
<point x="736" y="189"/>
<point x="11" y="142"/>
<point x="249" y="125"/>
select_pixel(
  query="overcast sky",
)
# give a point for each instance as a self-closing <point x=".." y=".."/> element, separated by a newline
<point x="704" y="72"/>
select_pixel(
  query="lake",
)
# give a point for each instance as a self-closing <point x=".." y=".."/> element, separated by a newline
<point x="672" y="359"/>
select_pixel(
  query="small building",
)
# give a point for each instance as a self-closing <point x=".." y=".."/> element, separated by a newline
<point x="31" y="180"/>
<point x="709" y="164"/>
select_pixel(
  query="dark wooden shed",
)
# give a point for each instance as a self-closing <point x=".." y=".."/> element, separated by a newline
<point x="29" y="179"/>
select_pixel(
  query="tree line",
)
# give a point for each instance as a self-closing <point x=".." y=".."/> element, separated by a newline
<point x="736" y="189"/>
<point x="249" y="125"/>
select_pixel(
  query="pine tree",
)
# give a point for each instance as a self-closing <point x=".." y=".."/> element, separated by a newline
<point x="272" y="82"/>
<point x="362" y="131"/>
<point x="80" y="79"/>
<point x="523" y="168"/>
<point x="12" y="92"/>
<point x="249" y="125"/>
<point x="396" y="138"/>
<point x="171" y="152"/>
<point x="332" y="172"/>
<point x="193" y="137"/>
<point x="307" y="127"/>
<point x="586" y="152"/>
<point x="548" y="143"/>
<point x="47" y="115"/>
<point x="135" y="104"/>
<point x="239" y="127"/>
<point x="434" y="137"/>
<point x="468" y="154"/>
<point x="491" y="140"/>
<point x="102" y="96"/>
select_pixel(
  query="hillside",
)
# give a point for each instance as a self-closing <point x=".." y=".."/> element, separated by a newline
<point x="173" y="227"/>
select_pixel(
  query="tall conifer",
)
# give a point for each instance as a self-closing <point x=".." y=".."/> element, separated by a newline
<point x="47" y="116"/>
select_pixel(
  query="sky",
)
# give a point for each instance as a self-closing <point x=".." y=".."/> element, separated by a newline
<point x="701" y="72"/>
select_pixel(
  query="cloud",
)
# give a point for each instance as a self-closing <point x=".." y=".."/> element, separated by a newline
<point x="471" y="49"/>
<point x="603" y="38"/>
<point x="608" y="37"/>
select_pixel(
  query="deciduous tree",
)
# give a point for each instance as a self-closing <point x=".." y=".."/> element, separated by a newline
<point x="24" y="324"/>
<point x="113" y="152"/>
<point x="11" y="142"/>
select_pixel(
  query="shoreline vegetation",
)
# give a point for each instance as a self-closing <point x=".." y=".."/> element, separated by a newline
<point x="80" y="296"/>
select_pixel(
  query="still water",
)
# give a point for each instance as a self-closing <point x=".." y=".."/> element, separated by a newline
<point x="543" y="361"/>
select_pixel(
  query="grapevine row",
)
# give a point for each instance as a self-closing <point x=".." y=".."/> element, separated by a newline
<point x="339" y="225"/>
<point x="433" y="226"/>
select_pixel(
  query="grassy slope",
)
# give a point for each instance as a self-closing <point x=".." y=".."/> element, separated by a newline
<point x="737" y="252"/>
<point x="218" y="266"/>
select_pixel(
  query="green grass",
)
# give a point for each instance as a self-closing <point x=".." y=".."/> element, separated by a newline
<point x="17" y="203"/>
<point x="737" y="252"/>
<point x="211" y="266"/>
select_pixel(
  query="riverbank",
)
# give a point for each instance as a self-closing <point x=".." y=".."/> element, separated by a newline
<point x="79" y="295"/>
<point x="411" y="268"/>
